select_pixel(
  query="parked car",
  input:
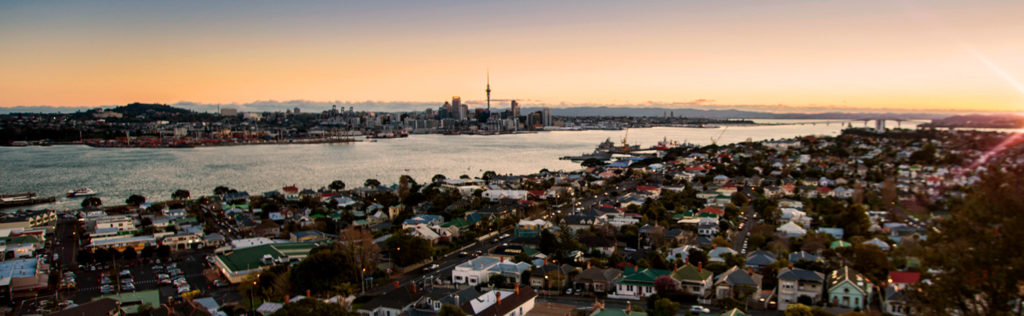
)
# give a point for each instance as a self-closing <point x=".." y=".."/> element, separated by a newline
<point x="219" y="283"/>
<point x="107" y="289"/>
<point x="699" y="309"/>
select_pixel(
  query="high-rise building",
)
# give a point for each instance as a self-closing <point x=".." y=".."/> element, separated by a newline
<point x="515" y="108"/>
<point x="546" y="117"/>
<point x="880" y="126"/>
<point x="456" y="111"/>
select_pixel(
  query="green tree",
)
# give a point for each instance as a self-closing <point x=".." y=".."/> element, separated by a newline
<point x="977" y="248"/>
<point x="437" y="178"/>
<point x="91" y="202"/>
<point x="337" y="185"/>
<point x="181" y="194"/>
<point x="664" y="307"/>
<point x="498" y="281"/>
<point x="451" y="310"/>
<point x="221" y="190"/>
<point x="135" y="200"/>
<point x="488" y="175"/>
<point x="407" y="249"/>
<point x="798" y="309"/>
<point x="371" y="183"/>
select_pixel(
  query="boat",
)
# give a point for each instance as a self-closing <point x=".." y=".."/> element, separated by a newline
<point x="666" y="144"/>
<point x="597" y="154"/>
<point x="22" y="199"/>
<point x="82" y="192"/>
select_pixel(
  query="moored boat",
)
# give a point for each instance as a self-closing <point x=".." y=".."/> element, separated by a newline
<point x="82" y="192"/>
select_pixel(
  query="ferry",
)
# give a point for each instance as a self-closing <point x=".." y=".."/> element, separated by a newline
<point x="82" y="192"/>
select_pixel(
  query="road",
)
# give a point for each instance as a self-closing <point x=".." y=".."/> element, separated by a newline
<point x="582" y="301"/>
<point x="749" y="219"/>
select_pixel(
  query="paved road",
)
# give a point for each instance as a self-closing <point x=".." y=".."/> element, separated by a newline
<point x="580" y="301"/>
<point x="748" y="223"/>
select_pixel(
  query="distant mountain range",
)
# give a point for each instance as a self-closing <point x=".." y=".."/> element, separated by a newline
<point x="310" y="106"/>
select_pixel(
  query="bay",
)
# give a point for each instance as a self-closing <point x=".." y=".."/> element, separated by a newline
<point x="156" y="173"/>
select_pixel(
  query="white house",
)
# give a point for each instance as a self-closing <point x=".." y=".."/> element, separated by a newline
<point x="478" y="270"/>
<point x="792" y="230"/>
<point x="494" y="195"/>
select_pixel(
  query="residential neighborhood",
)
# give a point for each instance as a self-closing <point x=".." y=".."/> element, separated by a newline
<point x="830" y="225"/>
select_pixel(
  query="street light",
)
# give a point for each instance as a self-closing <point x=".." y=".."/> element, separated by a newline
<point x="361" y="272"/>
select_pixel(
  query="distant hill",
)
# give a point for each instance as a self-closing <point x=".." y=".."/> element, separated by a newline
<point x="981" y="121"/>
<point x="724" y="113"/>
<point x="136" y="109"/>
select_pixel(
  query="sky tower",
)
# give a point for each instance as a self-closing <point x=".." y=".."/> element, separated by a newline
<point x="488" y="91"/>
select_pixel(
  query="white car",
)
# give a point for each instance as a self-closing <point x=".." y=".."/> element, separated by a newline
<point x="699" y="309"/>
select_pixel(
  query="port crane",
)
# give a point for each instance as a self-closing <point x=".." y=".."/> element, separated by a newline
<point x="714" y="140"/>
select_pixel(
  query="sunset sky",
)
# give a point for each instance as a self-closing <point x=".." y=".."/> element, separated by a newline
<point x="904" y="55"/>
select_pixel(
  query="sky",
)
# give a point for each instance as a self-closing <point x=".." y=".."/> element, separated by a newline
<point x="771" y="55"/>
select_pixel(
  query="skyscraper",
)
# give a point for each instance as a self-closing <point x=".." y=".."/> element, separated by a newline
<point x="546" y="117"/>
<point x="457" y="112"/>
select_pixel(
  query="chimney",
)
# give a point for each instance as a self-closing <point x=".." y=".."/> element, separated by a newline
<point x="687" y="260"/>
<point x="636" y="269"/>
<point x="629" y="307"/>
<point x="414" y="288"/>
<point x="545" y="261"/>
<point x="675" y="267"/>
<point x="588" y="265"/>
<point x="287" y="298"/>
<point x="503" y="259"/>
<point x="497" y="294"/>
<point x="396" y="284"/>
<point x="700" y="267"/>
<point x="307" y="293"/>
<point x="750" y="271"/>
<point x="517" y="288"/>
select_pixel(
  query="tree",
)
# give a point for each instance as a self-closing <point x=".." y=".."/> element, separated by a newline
<point x="129" y="254"/>
<point x="978" y="249"/>
<point x="358" y="246"/>
<point x="84" y="256"/>
<point x="451" y="310"/>
<point x="322" y="269"/>
<point x="163" y="251"/>
<point x="437" y="178"/>
<point x="498" y="281"/>
<point x="221" y="190"/>
<point x="798" y="310"/>
<point x="91" y="202"/>
<point x="337" y="185"/>
<point x="665" y="284"/>
<point x="488" y="175"/>
<point x="371" y="183"/>
<point x="181" y="194"/>
<point x="407" y="249"/>
<point x="135" y="200"/>
<point x="664" y="307"/>
<point x="148" y="252"/>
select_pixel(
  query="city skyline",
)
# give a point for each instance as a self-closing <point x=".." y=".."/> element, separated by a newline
<point x="774" y="56"/>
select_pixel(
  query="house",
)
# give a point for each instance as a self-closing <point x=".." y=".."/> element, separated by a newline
<point x="681" y="253"/>
<point x="494" y="195"/>
<point x="878" y="243"/>
<point x="433" y="298"/>
<point x="531" y="228"/>
<point x="801" y="255"/>
<point x="694" y="279"/>
<point x="478" y="270"/>
<point x="717" y="254"/>
<point x="517" y="302"/>
<point x="848" y="288"/>
<point x="605" y="246"/>
<point x="307" y="236"/>
<point x="707" y="227"/>
<point x="423" y="231"/>
<point x="597" y="280"/>
<point x="791" y="229"/>
<point x="393" y="303"/>
<point x="735" y="283"/>
<point x="638" y="283"/>
<point x="799" y="286"/>
<point x="760" y="258"/>
<point x="790" y="214"/>
<point x="551" y="276"/>
<point x="426" y="219"/>
<point x="895" y="302"/>
<point x="835" y="232"/>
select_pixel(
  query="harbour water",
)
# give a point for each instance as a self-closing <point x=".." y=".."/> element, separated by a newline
<point x="156" y="173"/>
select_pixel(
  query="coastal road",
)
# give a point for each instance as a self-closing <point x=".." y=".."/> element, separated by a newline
<point x="584" y="301"/>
